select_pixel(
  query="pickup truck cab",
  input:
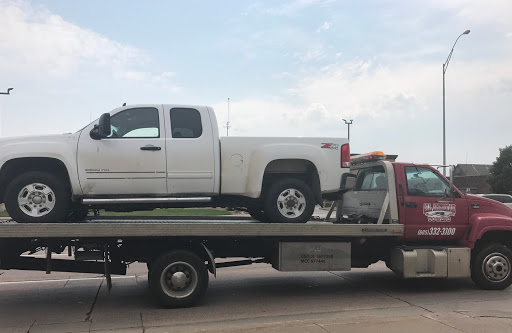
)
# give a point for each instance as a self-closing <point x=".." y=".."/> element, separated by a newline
<point x="446" y="233"/>
<point x="147" y="156"/>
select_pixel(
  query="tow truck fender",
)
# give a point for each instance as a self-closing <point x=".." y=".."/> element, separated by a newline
<point x="481" y="224"/>
<point x="211" y="261"/>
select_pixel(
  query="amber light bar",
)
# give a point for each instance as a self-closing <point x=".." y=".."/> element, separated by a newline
<point x="368" y="157"/>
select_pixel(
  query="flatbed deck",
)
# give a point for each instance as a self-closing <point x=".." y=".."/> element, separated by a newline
<point x="199" y="227"/>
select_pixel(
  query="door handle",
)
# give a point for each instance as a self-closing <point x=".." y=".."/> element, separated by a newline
<point x="150" y="148"/>
<point x="411" y="204"/>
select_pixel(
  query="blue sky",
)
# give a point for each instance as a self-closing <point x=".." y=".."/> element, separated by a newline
<point x="290" y="68"/>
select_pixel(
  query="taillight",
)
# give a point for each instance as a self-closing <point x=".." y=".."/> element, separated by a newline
<point x="345" y="156"/>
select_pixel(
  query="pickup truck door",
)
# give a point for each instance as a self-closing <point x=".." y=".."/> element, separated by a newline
<point x="429" y="213"/>
<point x="131" y="161"/>
<point x="190" y="150"/>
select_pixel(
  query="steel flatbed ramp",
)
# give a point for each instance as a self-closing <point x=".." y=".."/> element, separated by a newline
<point x="197" y="228"/>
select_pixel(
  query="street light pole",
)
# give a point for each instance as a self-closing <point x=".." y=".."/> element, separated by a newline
<point x="348" y="122"/>
<point x="7" y="93"/>
<point x="445" y="68"/>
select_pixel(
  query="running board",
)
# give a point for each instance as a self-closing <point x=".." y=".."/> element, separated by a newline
<point x="144" y="200"/>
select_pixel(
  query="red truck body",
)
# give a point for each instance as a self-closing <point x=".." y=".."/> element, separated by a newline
<point x="461" y="218"/>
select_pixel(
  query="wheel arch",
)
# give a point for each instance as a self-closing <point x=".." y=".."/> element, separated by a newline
<point x="503" y="237"/>
<point x="17" y="166"/>
<point x="302" y="169"/>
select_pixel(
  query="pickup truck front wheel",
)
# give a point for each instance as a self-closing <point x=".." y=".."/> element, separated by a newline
<point x="37" y="197"/>
<point x="289" y="201"/>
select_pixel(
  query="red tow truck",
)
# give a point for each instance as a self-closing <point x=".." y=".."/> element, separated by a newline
<point x="406" y="214"/>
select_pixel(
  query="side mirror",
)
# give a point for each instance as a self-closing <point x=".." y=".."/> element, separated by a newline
<point x="348" y="181"/>
<point x="102" y="130"/>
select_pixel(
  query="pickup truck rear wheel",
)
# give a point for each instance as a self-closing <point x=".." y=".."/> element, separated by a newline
<point x="178" y="279"/>
<point x="289" y="201"/>
<point x="37" y="196"/>
<point x="491" y="267"/>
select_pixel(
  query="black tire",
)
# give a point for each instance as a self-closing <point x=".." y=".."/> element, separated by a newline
<point x="190" y="273"/>
<point x="59" y="196"/>
<point x="490" y="268"/>
<point x="300" y="198"/>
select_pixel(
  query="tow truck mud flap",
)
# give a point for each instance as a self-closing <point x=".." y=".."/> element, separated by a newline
<point x="311" y="256"/>
<point x="438" y="262"/>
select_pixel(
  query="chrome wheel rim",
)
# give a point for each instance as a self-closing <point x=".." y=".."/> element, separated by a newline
<point x="179" y="280"/>
<point x="291" y="203"/>
<point x="496" y="267"/>
<point x="36" y="200"/>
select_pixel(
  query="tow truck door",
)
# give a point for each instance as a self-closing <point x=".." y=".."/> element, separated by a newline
<point x="425" y="208"/>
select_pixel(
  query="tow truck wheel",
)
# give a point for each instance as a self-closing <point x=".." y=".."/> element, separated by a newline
<point x="178" y="279"/>
<point x="289" y="201"/>
<point x="491" y="267"/>
<point x="37" y="196"/>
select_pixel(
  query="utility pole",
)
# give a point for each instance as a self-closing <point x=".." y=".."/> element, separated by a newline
<point x="348" y="122"/>
<point x="7" y="93"/>
<point x="228" y="125"/>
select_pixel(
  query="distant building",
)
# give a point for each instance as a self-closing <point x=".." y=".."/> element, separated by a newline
<point x="472" y="178"/>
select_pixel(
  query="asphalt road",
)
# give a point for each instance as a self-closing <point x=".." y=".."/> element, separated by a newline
<point x="253" y="298"/>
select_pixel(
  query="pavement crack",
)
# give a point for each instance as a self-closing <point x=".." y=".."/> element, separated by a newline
<point x="385" y="294"/>
<point x="142" y="322"/>
<point x="443" y="323"/>
<point x="321" y="327"/>
<point x="496" y="317"/>
<point x="403" y="300"/>
<point x="31" y="326"/>
<point x="89" y="314"/>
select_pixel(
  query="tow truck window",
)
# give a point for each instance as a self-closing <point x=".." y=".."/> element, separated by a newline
<point x="186" y="123"/>
<point x="371" y="179"/>
<point x="135" y="123"/>
<point x="424" y="182"/>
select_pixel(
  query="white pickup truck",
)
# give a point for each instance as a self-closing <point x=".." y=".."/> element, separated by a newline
<point x="148" y="156"/>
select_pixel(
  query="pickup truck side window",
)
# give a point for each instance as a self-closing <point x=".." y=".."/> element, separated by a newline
<point x="186" y="123"/>
<point x="371" y="179"/>
<point x="135" y="123"/>
<point x="424" y="182"/>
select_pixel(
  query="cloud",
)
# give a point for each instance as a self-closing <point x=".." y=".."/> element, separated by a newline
<point x="324" y="27"/>
<point x="37" y="39"/>
<point x="37" y="43"/>
<point x="293" y="7"/>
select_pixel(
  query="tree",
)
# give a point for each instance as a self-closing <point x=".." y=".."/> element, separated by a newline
<point x="501" y="172"/>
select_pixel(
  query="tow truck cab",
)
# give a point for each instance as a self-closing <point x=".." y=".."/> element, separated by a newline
<point x="446" y="233"/>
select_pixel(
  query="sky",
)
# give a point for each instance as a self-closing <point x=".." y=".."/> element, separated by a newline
<point x="289" y="68"/>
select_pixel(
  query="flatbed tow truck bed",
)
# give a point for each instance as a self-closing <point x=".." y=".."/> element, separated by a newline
<point x="200" y="227"/>
<point x="182" y="248"/>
